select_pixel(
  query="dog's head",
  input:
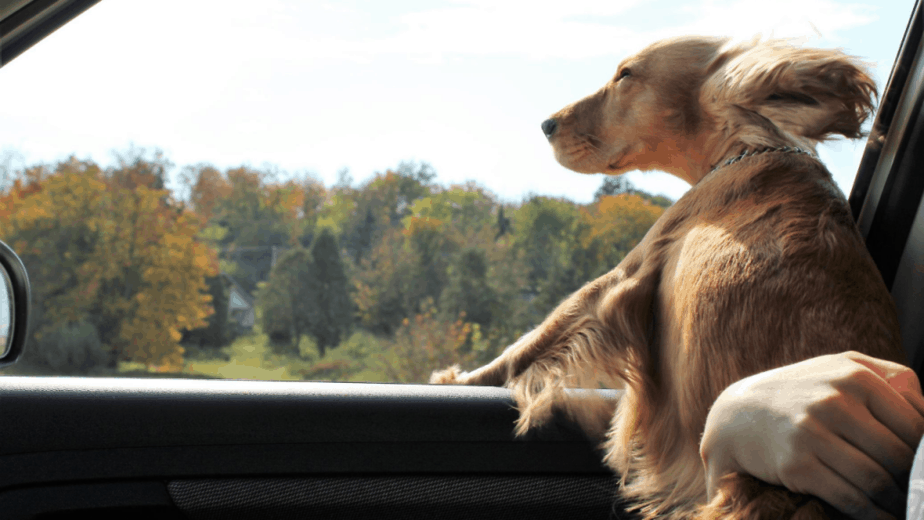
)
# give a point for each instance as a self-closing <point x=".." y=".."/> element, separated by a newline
<point x="680" y="104"/>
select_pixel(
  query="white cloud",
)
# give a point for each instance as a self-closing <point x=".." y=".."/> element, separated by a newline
<point x="814" y="19"/>
<point x="586" y="28"/>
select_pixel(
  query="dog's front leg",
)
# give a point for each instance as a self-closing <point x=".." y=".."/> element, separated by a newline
<point x="533" y="346"/>
<point x="580" y="345"/>
<point x="500" y="371"/>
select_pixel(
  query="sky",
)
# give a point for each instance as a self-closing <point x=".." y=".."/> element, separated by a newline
<point x="318" y="86"/>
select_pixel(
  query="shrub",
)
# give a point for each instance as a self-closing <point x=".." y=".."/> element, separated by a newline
<point x="426" y="343"/>
<point x="71" y="348"/>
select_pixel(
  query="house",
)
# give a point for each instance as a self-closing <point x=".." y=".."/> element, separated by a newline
<point x="240" y="305"/>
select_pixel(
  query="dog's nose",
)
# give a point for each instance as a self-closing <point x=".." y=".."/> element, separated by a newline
<point x="548" y="127"/>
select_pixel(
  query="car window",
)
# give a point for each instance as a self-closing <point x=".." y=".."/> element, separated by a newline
<point x="343" y="191"/>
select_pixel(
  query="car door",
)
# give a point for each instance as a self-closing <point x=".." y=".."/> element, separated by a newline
<point x="200" y="449"/>
<point x="170" y="448"/>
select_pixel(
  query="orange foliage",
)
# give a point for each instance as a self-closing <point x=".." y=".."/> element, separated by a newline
<point x="616" y="224"/>
<point x="99" y="249"/>
<point x="209" y="188"/>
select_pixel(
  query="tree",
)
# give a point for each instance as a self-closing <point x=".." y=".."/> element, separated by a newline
<point x="217" y="332"/>
<point x="160" y="289"/>
<point x="207" y="188"/>
<point x="613" y="185"/>
<point x="382" y="202"/>
<point x="133" y="169"/>
<point x="334" y="311"/>
<point x="612" y="227"/>
<point x="289" y="298"/>
<point x="124" y="260"/>
<point x="364" y="237"/>
<point x="617" y="185"/>
<point x="468" y="293"/>
<point x="253" y="215"/>
<point x="544" y="237"/>
<point x="314" y="197"/>
<point x="430" y="245"/>
<point x="503" y="224"/>
<point x="384" y="284"/>
<point x="425" y="343"/>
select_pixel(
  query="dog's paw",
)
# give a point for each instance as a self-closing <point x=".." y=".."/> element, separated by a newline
<point x="453" y="375"/>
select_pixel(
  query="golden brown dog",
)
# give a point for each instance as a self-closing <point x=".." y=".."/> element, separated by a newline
<point x="759" y="265"/>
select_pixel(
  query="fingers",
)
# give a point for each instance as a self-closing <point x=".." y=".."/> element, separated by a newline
<point x="855" y="466"/>
<point x="871" y="436"/>
<point x="829" y="485"/>
<point x="901" y="410"/>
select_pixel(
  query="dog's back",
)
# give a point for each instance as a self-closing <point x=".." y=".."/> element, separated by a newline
<point x="762" y="267"/>
<point x="766" y="269"/>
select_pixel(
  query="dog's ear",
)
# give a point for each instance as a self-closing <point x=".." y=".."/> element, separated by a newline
<point x="812" y="93"/>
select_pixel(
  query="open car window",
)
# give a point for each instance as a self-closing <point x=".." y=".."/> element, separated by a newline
<point x="329" y="191"/>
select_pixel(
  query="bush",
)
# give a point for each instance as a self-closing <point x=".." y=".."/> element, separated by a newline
<point x="426" y="343"/>
<point x="71" y="348"/>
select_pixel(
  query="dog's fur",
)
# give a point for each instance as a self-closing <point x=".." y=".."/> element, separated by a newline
<point x="759" y="265"/>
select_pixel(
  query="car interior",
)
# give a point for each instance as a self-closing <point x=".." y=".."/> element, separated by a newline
<point x="203" y="449"/>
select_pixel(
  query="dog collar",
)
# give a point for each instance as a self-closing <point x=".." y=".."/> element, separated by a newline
<point x="748" y="153"/>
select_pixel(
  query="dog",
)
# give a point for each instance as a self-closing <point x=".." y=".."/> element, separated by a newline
<point x="759" y="265"/>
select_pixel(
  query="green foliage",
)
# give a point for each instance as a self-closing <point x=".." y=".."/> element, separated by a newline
<point x="333" y="309"/>
<point x="70" y="348"/>
<point x="468" y="292"/>
<point x="384" y="280"/>
<point x="545" y="237"/>
<point x="248" y="214"/>
<point x="385" y="288"/>
<point x="425" y="342"/>
<point x="289" y="298"/>
<point x="613" y="185"/>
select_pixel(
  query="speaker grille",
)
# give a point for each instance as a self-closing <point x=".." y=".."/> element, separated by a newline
<point x="428" y="497"/>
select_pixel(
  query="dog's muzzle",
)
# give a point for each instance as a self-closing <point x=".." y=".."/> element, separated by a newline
<point x="548" y="128"/>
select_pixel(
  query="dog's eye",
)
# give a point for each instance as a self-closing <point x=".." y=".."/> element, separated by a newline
<point x="624" y="73"/>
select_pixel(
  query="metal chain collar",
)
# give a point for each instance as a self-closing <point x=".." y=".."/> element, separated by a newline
<point x="749" y="153"/>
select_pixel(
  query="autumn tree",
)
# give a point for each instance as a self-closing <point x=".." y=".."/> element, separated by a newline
<point x="49" y="217"/>
<point x="619" y="184"/>
<point x="424" y="343"/>
<point x="134" y="169"/>
<point x="218" y="330"/>
<point x="612" y="227"/>
<point x="248" y="214"/>
<point x="207" y="188"/>
<point x="124" y="260"/>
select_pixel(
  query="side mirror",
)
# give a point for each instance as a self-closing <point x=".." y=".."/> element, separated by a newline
<point x="15" y="298"/>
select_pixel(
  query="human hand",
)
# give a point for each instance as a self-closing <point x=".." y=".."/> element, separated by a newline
<point x="842" y="427"/>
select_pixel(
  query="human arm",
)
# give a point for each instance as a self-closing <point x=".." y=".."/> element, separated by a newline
<point x="841" y="427"/>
